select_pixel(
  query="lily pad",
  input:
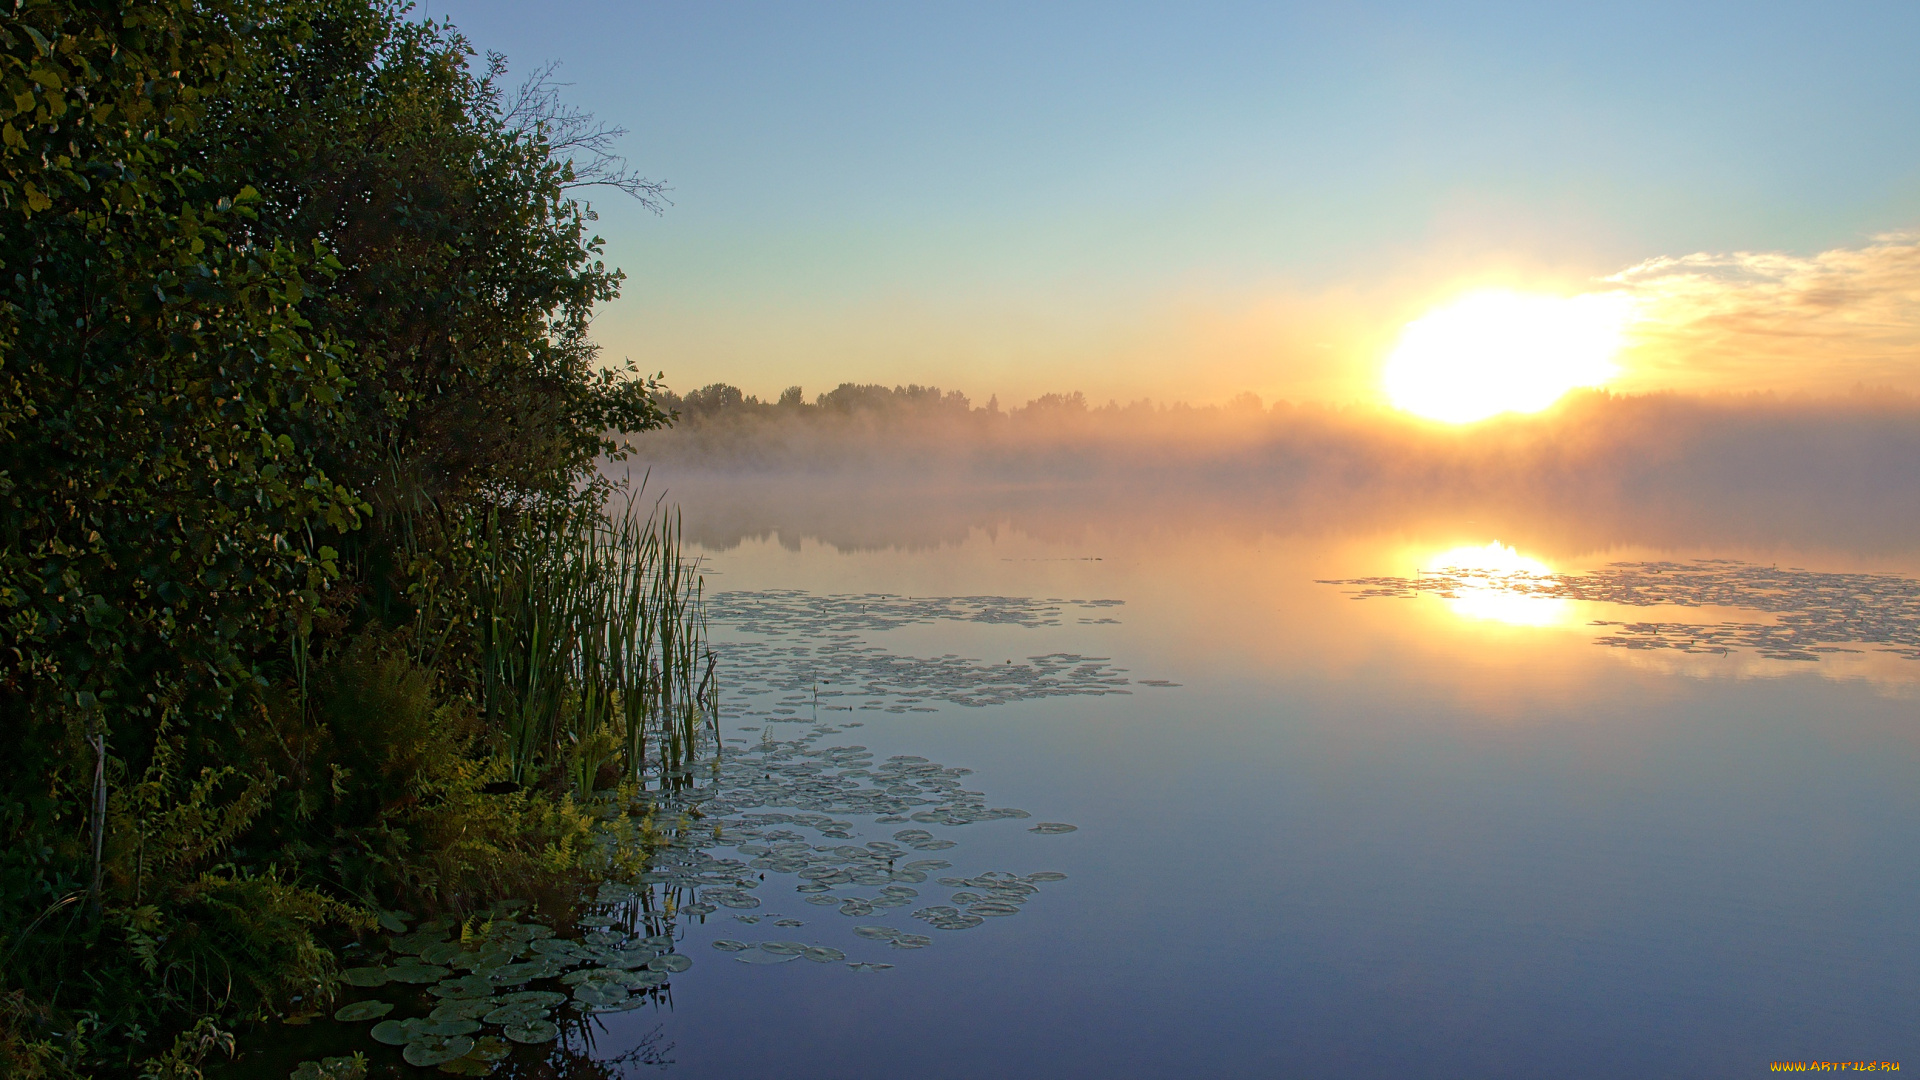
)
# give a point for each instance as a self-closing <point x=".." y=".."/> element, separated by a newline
<point x="533" y="1031"/>
<point x="869" y="967"/>
<point x="466" y="986"/>
<point x="516" y="1014"/>
<point x="875" y="933"/>
<point x="363" y="1010"/>
<point x="994" y="908"/>
<point x="515" y="974"/>
<point x="1051" y="828"/>
<point x="396" y="1032"/>
<point x="364" y="976"/>
<point x="911" y="941"/>
<point x="417" y="973"/>
<point x="728" y="945"/>
<point x="467" y="1066"/>
<point x="543" y="998"/>
<point x="490" y="1048"/>
<point x="330" y="1068"/>
<point x="441" y="953"/>
<point x="673" y="962"/>
<point x="470" y="1009"/>
<point x="393" y="921"/>
<point x="436" y="1049"/>
<point x="821" y="954"/>
<point x="784" y="948"/>
<point x="1047" y="875"/>
<point x="599" y="994"/>
<point x="761" y="956"/>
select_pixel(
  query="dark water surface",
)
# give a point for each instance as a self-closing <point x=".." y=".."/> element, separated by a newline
<point x="1378" y="800"/>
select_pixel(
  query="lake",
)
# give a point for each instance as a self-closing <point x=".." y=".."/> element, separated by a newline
<point x="1068" y="780"/>
<point x="1350" y="793"/>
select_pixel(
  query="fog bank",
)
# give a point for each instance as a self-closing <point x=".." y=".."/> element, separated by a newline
<point x="1598" y="470"/>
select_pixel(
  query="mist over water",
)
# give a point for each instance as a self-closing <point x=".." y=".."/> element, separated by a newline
<point x="1559" y="745"/>
<point x="1596" y="472"/>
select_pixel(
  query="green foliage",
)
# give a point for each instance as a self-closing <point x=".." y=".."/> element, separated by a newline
<point x="588" y="635"/>
<point x="295" y="393"/>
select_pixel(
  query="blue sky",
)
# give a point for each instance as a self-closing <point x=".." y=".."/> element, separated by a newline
<point x="1190" y="200"/>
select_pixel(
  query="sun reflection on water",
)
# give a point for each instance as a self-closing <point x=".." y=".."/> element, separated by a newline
<point x="1497" y="583"/>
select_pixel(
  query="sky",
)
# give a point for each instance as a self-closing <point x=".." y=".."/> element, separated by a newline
<point x="1187" y="201"/>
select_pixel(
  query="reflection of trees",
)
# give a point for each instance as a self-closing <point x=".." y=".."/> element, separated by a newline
<point x="574" y="1056"/>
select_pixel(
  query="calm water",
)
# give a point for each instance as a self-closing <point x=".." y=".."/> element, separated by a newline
<point x="1431" y="821"/>
<point x="1424" y="835"/>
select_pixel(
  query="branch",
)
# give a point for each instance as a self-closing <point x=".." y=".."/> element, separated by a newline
<point x="587" y="144"/>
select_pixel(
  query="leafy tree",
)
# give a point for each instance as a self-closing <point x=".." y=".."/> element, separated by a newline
<point x="289" y="296"/>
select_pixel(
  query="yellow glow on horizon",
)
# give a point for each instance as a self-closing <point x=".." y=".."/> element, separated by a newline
<point x="1498" y="564"/>
<point x="1497" y="351"/>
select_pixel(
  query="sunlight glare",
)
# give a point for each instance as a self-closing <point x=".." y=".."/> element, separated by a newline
<point x="1496" y="351"/>
<point x="1486" y="579"/>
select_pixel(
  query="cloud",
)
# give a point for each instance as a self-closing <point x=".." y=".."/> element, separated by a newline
<point x="1774" y="321"/>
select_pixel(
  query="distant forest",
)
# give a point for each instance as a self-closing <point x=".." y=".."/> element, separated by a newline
<point x="1595" y="456"/>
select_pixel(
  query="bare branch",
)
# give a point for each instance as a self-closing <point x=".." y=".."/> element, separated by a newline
<point x="572" y="133"/>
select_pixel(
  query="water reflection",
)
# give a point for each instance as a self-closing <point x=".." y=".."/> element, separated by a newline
<point x="1498" y="583"/>
<point x="1805" y="615"/>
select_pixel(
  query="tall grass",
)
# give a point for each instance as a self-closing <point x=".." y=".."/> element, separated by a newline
<point x="592" y="646"/>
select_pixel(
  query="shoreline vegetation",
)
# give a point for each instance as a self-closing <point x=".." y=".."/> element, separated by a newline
<point x="312" y="606"/>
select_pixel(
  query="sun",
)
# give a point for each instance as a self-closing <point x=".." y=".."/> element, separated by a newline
<point x="1497" y="351"/>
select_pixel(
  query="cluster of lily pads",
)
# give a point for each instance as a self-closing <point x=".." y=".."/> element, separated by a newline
<point x="768" y="796"/>
<point x="1815" y="613"/>
<point x="809" y="647"/>
<point x="481" y="980"/>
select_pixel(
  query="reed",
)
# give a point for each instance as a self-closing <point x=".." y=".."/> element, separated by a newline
<point x="592" y="646"/>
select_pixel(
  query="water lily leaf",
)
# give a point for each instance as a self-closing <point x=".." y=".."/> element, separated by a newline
<point x="533" y="1031"/>
<point x="784" y="948"/>
<point x="1053" y="827"/>
<point x="363" y="1010"/>
<point x="543" y="998"/>
<point x="471" y="1009"/>
<point x="364" y="976"/>
<point x="516" y="1014"/>
<point x="761" y="956"/>
<point x="869" y="967"/>
<point x="395" y="1032"/>
<point x="393" y="921"/>
<point x="875" y="933"/>
<point x="467" y="1066"/>
<point x="821" y="954"/>
<point x="331" y="1068"/>
<point x="466" y="986"/>
<point x="599" y="994"/>
<point x="728" y="945"/>
<point x="417" y="973"/>
<point x="433" y="1050"/>
<point x="490" y="1048"/>
<point x="441" y="953"/>
<point x="672" y="962"/>
<point x="515" y="974"/>
<point x="994" y="908"/>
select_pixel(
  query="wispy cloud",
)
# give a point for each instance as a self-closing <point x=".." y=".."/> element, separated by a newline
<point x="1774" y="321"/>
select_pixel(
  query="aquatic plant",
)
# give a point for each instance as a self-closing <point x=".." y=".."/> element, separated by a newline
<point x="591" y="646"/>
